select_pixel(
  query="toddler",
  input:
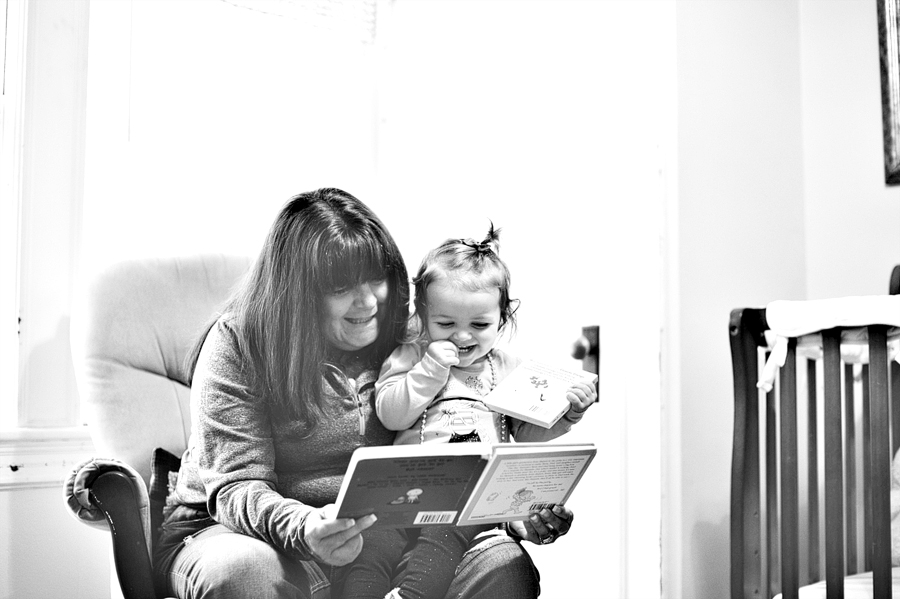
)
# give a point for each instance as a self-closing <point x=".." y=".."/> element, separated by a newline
<point x="430" y="389"/>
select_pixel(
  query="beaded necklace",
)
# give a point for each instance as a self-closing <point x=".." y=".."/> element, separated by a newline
<point x="475" y="383"/>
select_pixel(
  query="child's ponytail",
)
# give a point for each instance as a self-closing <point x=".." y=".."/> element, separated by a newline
<point x="491" y="243"/>
<point x="472" y="264"/>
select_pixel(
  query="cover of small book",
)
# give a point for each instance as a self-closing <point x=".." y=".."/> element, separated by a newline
<point x="536" y="392"/>
<point x="459" y="483"/>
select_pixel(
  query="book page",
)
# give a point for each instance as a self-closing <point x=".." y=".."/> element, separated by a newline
<point x="516" y="485"/>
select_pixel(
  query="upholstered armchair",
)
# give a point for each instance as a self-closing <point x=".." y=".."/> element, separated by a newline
<point x="131" y="330"/>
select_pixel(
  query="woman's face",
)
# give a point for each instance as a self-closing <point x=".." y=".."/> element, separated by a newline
<point x="352" y="315"/>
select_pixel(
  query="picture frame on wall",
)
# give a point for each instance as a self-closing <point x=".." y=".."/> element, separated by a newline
<point x="889" y="57"/>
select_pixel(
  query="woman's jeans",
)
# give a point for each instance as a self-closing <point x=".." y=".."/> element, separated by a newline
<point x="217" y="563"/>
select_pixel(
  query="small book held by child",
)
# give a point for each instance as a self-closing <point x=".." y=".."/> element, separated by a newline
<point x="536" y="392"/>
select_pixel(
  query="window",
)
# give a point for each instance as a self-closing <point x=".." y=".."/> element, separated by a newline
<point x="42" y="179"/>
<point x="174" y="130"/>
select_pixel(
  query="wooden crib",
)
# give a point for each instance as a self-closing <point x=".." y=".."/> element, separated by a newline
<point x="811" y="461"/>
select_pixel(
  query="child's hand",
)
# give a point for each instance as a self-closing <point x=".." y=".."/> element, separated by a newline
<point x="581" y="396"/>
<point x="544" y="527"/>
<point x="444" y="353"/>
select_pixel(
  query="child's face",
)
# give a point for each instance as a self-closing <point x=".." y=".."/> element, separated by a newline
<point x="469" y="319"/>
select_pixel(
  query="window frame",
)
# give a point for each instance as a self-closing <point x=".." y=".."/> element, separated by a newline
<point x="11" y="151"/>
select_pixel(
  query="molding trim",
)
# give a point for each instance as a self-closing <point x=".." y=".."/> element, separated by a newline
<point x="41" y="458"/>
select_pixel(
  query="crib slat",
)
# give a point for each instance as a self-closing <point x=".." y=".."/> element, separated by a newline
<point x="790" y="549"/>
<point x="834" y="476"/>
<point x="881" y="461"/>
<point x="773" y="530"/>
<point x="867" y="469"/>
<point x="895" y="410"/>
<point x="850" y="469"/>
<point x="812" y="475"/>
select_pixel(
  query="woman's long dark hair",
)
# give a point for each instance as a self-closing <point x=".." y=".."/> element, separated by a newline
<point x="321" y="241"/>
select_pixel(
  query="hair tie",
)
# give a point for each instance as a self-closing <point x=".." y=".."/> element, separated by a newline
<point x="480" y="247"/>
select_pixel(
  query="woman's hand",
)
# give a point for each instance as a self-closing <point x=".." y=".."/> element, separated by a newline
<point x="444" y="353"/>
<point x="335" y="541"/>
<point x="581" y="396"/>
<point x="544" y="527"/>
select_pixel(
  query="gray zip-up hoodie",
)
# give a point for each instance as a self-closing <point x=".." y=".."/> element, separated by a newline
<point x="259" y="475"/>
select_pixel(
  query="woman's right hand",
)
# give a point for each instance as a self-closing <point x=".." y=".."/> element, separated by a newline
<point x="335" y="541"/>
<point x="444" y="353"/>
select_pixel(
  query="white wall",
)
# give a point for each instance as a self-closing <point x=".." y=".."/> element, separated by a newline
<point x="550" y="119"/>
<point x="781" y="196"/>
<point x="851" y="217"/>
<point x="741" y="233"/>
<point x="45" y="552"/>
<point x="204" y="117"/>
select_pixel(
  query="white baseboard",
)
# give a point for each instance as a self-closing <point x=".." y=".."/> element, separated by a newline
<point x="40" y="458"/>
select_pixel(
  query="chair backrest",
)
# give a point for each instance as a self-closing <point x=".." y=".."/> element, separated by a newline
<point x="810" y="480"/>
<point x="130" y="333"/>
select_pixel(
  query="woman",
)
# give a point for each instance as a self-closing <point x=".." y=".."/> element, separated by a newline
<point x="282" y="393"/>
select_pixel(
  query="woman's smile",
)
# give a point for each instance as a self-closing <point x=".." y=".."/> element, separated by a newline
<point x="360" y="320"/>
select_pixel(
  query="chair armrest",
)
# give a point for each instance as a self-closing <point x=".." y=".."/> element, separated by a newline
<point x="118" y="497"/>
<point x="109" y="493"/>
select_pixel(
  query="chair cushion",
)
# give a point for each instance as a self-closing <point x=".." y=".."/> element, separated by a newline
<point x="163" y="476"/>
<point x="132" y="327"/>
<point x="163" y="469"/>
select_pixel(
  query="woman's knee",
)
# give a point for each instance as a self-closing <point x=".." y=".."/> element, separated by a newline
<point x="496" y="567"/>
<point x="227" y="565"/>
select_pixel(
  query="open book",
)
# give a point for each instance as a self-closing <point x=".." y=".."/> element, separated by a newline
<point x="460" y="483"/>
<point x="536" y="392"/>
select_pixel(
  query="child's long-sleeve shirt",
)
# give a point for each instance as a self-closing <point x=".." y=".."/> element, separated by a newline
<point x="412" y="382"/>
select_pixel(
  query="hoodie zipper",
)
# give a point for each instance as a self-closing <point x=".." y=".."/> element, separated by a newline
<point x="356" y="395"/>
<point x="361" y="410"/>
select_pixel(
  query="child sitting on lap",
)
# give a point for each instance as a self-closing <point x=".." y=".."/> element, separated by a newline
<point x="431" y="389"/>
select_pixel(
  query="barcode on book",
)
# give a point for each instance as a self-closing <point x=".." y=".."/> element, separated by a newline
<point x="435" y="518"/>
<point x="536" y="507"/>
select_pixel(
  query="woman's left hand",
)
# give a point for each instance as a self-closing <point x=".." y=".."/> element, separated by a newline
<point x="544" y="527"/>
